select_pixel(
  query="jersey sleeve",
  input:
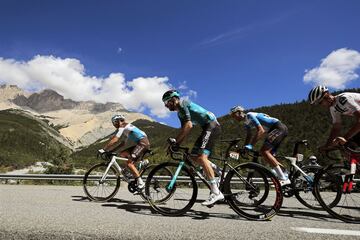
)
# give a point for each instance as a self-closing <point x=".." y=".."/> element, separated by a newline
<point x="253" y="119"/>
<point x="184" y="113"/>
<point x="119" y="132"/>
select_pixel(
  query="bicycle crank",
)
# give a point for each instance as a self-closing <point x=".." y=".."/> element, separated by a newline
<point x="288" y="191"/>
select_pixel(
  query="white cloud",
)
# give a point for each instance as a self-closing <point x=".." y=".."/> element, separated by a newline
<point x="184" y="90"/>
<point x="119" y="50"/>
<point x="68" y="77"/>
<point x="336" y="70"/>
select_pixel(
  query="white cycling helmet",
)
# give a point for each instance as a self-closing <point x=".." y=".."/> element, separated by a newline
<point x="236" y="109"/>
<point x="117" y="117"/>
<point x="316" y="94"/>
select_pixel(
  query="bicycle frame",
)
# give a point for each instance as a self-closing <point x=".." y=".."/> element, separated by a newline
<point x="112" y="162"/>
<point x="293" y="161"/>
<point x="187" y="159"/>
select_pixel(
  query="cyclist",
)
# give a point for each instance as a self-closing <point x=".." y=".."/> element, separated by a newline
<point x="191" y="114"/>
<point x="274" y="130"/>
<point x="133" y="153"/>
<point x="346" y="103"/>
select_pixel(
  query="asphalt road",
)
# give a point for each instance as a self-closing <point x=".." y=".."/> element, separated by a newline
<point x="63" y="212"/>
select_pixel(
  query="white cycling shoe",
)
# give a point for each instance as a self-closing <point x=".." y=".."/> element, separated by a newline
<point x="141" y="186"/>
<point x="212" y="199"/>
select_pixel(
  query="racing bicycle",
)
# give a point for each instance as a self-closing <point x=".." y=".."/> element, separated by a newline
<point x="250" y="189"/>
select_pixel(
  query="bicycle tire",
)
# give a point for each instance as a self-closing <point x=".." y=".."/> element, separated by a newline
<point x="151" y="186"/>
<point x="334" y="176"/>
<point x="303" y="190"/>
<point x="243" y="196"/>
<point x="185" y="186"/>
<point x="93" y="187"/>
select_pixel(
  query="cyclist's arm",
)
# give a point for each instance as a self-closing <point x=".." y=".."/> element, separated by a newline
<point x="259" y="133"/>
<point x="111" y="145"/>
<point x="184" y="131"/>
<point x="335" y="131"/>
<point x="355" y="129"/>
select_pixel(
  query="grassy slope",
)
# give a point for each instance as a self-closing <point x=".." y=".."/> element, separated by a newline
<point x="24" y="140"/>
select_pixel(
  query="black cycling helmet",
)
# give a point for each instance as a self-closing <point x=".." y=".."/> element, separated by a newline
<point x="169" y="94"/>
<point x="316" y="94"/>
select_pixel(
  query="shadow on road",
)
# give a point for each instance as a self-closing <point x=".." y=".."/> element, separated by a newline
<point x="141" y="207"/>
<point x="305" y="213"/>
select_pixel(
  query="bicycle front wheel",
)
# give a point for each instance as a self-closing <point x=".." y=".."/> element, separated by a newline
<point x="167" y="197"/>
<point x="335" y="195"/>
<point x="253" y="191"/>
<point x="100" y="188"/>
<point x="304" y="188"/>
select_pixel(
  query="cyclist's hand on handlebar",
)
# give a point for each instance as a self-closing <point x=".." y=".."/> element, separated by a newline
<point x="101" y="151"/>
<point x="339" y="141"/>
<point x="248" y="147"/>
<point x="173" y="146"/>
<point x="103" y="154"/>
<point x="171" y="141"/>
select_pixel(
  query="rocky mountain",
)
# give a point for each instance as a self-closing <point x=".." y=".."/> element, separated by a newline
<point x="48" y="100"/>
<point x="79" y="122"/>
<point x="45" y="101"/>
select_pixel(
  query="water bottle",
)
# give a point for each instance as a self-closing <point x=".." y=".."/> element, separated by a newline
<point x="142" y="164"/>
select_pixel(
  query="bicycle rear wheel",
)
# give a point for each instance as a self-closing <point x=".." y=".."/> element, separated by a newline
<point x="173" y="201"/>
<point x="344" y="205"/>
<point x="101" y="190"/>
<point x="304" y="189"/>
<point x="253" y="191"/>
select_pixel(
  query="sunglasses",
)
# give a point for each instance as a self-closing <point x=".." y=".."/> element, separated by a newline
<point x="118" y="121"/>
<point x="167" y="101"/>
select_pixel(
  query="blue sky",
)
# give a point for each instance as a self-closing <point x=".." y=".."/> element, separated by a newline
<point x="221" y="53"/>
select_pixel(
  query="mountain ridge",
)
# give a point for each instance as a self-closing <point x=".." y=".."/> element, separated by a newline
<point x="79" y="122"/>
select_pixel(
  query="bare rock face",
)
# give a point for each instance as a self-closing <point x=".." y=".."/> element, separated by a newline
<point x="49" y="100"/>
<point x="80" y="123"/>
<point x="45" y="101"/>
<point x="9" y="92"/>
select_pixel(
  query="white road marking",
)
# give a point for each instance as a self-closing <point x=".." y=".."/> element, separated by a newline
<point x="328" y="231"/>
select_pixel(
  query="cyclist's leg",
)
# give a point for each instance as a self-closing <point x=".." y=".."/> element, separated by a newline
<point x="273" y="141"/>
<point x="136" y="153"/>
<point x="202" y="149"/>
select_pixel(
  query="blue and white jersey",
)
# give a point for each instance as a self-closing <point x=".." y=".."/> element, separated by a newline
<point x="254" y="119"/>
<point x="345" y="104"/>
<point x="190" y="111"/>
<point x="131" y="133"/>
